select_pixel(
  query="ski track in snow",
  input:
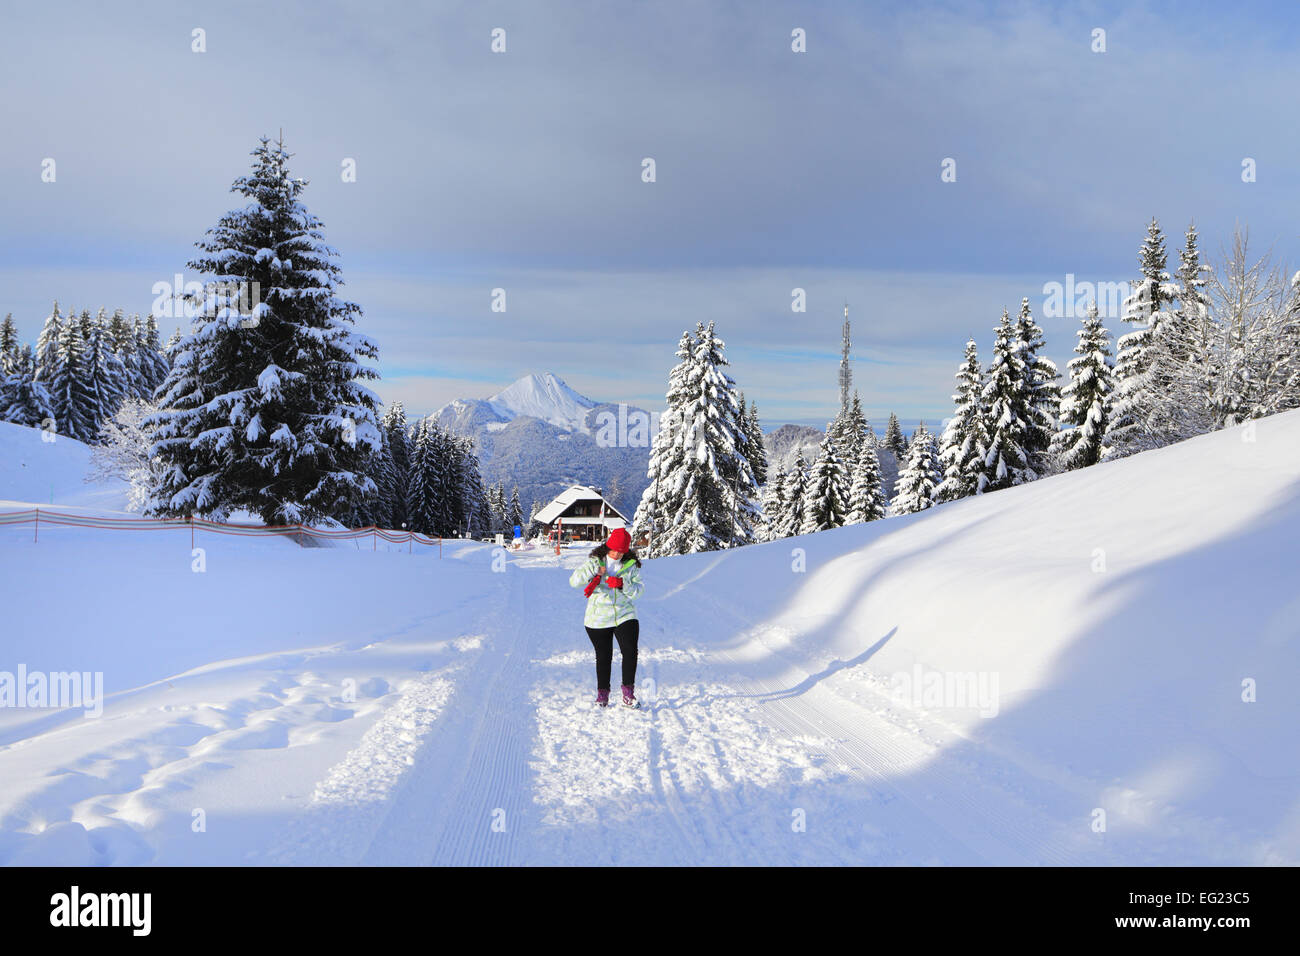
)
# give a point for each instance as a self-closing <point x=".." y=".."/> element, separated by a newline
<point x="463" y="802"/>
<point x="981" y="823"/>
<point x="521" y="768"/>
<point x="348" y="805"/>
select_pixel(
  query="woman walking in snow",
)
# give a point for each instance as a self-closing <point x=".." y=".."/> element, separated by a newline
<point x="611" y="580"/>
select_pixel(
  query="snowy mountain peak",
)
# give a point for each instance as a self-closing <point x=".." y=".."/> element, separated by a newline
<point x="545" y="397"/>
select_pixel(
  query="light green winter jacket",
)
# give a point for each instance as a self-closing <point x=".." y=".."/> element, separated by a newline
<point x="607" y="606"/>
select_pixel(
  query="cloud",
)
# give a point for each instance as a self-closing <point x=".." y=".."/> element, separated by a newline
<point x="522" y="171"/>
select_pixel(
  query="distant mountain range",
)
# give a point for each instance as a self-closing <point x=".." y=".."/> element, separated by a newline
<point x="543" y="436"/>
<point x="543" y="397"/>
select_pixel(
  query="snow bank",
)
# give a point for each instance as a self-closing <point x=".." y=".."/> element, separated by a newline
<point x="38" y="471"/>
<point x="1135" y="629"/>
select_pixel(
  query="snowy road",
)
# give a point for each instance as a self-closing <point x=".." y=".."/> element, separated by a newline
<point x="718" y="766"/>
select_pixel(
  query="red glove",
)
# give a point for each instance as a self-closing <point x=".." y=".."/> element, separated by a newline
<point x="614" y="582"/>
<point x="591" y="585"/>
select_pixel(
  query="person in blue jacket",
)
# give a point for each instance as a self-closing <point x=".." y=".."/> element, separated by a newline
<point x="611" y="580"/>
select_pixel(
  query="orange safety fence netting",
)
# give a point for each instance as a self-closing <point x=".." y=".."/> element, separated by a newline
<point x="68" y="519"/>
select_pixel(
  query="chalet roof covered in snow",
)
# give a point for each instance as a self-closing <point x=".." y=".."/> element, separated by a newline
<point x="578" y="494"/>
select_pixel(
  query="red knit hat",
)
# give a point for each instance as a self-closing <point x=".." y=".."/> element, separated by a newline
<point x="619" y="540"/>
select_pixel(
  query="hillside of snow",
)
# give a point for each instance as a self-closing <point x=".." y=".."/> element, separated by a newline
<point x="1095" y="669"/>
<point x="37" y="470"/>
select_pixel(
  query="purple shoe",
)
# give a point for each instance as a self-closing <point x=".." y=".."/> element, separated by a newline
<point x="602" y="698"/>
<point x="629" y="700"/>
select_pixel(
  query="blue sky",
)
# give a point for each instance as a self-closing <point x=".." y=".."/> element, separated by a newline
<point x="522" y="170"/>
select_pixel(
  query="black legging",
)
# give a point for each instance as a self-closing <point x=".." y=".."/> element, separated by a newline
<point x="602" y="639"/>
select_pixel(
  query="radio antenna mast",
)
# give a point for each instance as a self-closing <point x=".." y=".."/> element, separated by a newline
<point x="846" y="373"/>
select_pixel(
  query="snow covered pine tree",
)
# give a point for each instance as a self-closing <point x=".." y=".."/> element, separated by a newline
<point x="866" y="498"/>
<point x="264" y="411"/>
<point x="918" y="481"/>
<point x="702" y="495"/>
<point x="827" y="500"/>
<point x="1132" y="426"/>
<point x="1006" y="411"/>
<point x="1085" y="401"/>
<point x="965" y="440"/>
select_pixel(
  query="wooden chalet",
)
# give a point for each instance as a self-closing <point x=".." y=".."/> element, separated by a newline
<point x="581" y="513"/>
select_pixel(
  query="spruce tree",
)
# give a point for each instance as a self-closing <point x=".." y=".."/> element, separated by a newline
<point x="423" y="492"/>
<point x="119" y="331"/>
<point x="107" y="382"/>
<point x="393" y="425"/>
<point x="661" y="497"/>
<point x="47" y="346"/>
<point x="921" y="477"/>
<point x="500" y="507"/>
<point x="516" y="515"/>
<point x="707" y="489"/>
<point x="9" y="346"/>
<point x="151" y="361"/>
<point x="1137" y="379"/>
<point x="773" y="506"/>
<point x="381" y="471"/>
<point x="866" y="497"/>
<point x="796" y="498"/>
<point x="75" y="405"/>
<point x="755" y="450"/>
<point x="470" y="506"/>
<point x="835" y="431"/>
<point x="1193" y="299"/>
<point x="828" y="490"/>
<point x="23" y="400"/>
<point x="449" y="514"/>
<point x="1182" y="350"/>
<point x="856" y="429"/>
<point x="1085" y="401"/>
<point x="130" y="354"/>
<point x="716" y="399"/>
<point x="1042" y="394"/>
<point x="894" y="440"/>
<point x="266" y="411"/>
<point x="1005" y="461"/>
<point x="965" y="440"/>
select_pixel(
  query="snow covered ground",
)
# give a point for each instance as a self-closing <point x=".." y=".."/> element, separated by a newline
<point x="1052" y="674"/>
